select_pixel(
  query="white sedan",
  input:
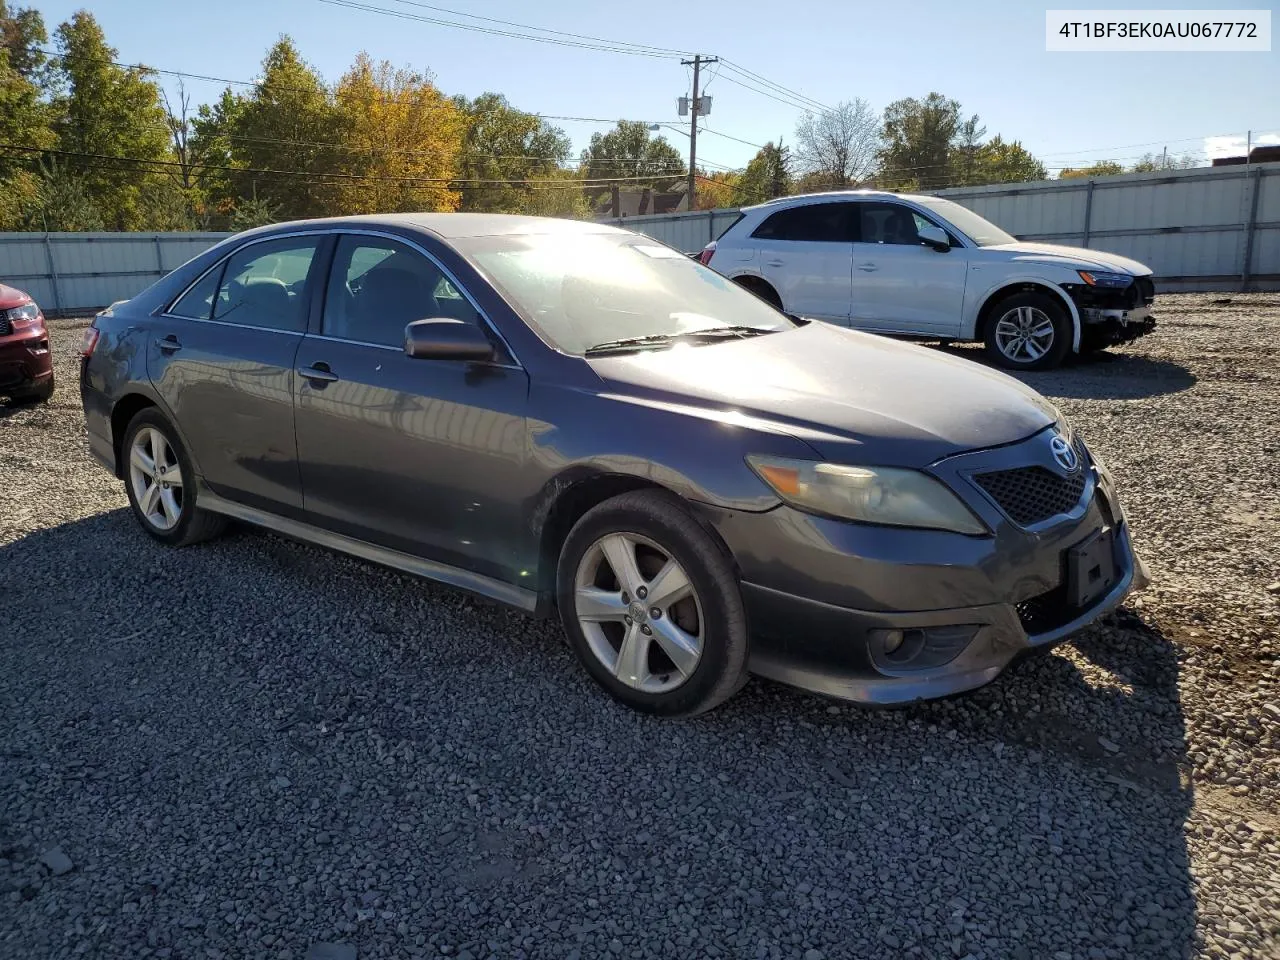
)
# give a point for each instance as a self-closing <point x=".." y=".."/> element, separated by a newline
<point x="926" y="267"/>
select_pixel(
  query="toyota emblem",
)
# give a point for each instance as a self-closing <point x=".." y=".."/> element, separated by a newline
<point x="1064" y="453"/>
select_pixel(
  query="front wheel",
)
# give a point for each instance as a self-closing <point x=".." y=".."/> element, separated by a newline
<point x="1028" y="331"/>
<point x="652" y="607"/>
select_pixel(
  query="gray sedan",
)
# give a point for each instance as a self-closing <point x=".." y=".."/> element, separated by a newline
<point x="574" y="419"/>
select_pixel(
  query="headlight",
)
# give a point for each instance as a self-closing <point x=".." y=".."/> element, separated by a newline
<point x="28" y="311"/>
<point x="1113" y="280"/>
<point x="886" y="495"/>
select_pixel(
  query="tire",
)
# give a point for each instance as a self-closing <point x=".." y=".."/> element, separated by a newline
<point x="653" y="529"/>
<point x="172" y="517"/>
<point x="35" y="394"/>
<point x="761" y="289"/>
<point x="1020" y="314"/>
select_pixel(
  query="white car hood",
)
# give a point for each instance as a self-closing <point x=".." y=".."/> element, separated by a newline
<point x="1073" y="257"/>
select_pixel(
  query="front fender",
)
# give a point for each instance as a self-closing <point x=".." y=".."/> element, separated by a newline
<point x="996" y="287"/>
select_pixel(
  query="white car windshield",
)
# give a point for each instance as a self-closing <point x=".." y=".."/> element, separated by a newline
<point x="585" y="290"/>
<point x="982" y="232"/>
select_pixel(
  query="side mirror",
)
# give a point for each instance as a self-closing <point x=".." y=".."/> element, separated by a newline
<point x="934" y="237"/>
<point x="446" y="339"/>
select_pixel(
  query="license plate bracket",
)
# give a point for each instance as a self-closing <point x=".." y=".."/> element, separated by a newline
<point x="1091" y="567"/>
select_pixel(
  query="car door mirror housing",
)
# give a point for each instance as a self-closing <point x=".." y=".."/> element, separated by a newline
<point x="934" y="237"/>
<point x="444" y="338"/>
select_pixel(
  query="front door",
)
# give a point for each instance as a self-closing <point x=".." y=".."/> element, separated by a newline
<point x="901" y="285"/>
<point x="806" y="255"/>
<point x="222" y="359"/>
<point x="411" y="454"/>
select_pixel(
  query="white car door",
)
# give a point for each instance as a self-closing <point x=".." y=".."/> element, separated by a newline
<point x="900" y="284"/>
<point x="806" y="253"/>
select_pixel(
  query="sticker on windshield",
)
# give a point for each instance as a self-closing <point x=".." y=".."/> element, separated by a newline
<point x="657" y="252"/>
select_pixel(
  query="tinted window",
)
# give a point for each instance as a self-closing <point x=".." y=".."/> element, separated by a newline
<point x="377" y="287"/>
<point x="821" y="222"/>
<point x="264" y="284"/>
<point x="197" y="303"/>
<point x="890" y="223"/>
<point x="583" y="289"/>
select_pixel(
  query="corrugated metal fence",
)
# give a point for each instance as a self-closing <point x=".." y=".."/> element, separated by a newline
<point x="1213" y="228"/>
<point x="68" y="272"/>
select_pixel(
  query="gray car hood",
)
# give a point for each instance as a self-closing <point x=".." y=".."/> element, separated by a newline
<point x="854" y="397"/>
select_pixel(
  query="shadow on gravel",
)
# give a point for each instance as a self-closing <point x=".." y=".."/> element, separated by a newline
<point x="254" y="744"/>
<point x="1104" y="375"/>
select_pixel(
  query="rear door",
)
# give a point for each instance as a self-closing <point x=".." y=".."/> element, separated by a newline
<point x="411" y="454"/>
<point x="900" y="284"/>
<point x="806" y="254"/>
<point x="222" y="359"/>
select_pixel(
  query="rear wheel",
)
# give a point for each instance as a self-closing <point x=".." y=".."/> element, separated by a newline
<point x="1028" y="331"/>
<point x="652" y="607"/>
<point x="161" y="484"/>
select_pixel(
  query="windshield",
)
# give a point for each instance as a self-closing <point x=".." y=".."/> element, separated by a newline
<point x="982" y="232"/>
<point x="586" y="289"/>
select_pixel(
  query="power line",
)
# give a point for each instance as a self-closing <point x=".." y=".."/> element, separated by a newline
<point x="779" y="88"/>
<point x="784" y="100"/>
<point x="258" y="171"/>
<point x="665" y="51"/>
<point x="605" y="46"/>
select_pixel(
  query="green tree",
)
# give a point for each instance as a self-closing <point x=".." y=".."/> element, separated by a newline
<point x="504" y="144"/>
<point x="768" y="175"/>
<point x="288" y="123"/>
<point x="838" y="147"/>
<point x="1105" y="168"/>
<point x="107" y="111"/>
<point x="1000" y="162"/>
<point x="919" y="136"/>
<point x="24" y="116"/>
<point x="210" y="145"/>
<point x="628" y="151"/>
<point x="965" y="166"/>
<point x="556" y="194"/>
<point x="61" y="201"/>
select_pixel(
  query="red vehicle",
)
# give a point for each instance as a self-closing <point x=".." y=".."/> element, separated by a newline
<point x="26" y="366"/>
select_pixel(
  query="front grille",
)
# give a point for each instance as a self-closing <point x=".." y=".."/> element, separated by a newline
<point x="1031" y="495"/>
<point x="6" y="325"/>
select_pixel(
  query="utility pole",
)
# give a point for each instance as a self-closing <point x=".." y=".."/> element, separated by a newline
<point x="695" y="108"/>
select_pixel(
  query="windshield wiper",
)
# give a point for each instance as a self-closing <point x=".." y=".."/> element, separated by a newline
<point x="628" y="344"/>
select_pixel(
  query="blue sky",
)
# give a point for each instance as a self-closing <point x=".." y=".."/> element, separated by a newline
<point x="1067" y="108"/>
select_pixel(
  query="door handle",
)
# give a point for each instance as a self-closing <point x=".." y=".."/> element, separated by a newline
<point x="773" y="263"/>
<point x="169" y="344"/>
<point x="318" y="373"/>
<point x="868" y="267"/>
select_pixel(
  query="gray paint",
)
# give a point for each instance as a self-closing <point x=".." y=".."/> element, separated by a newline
<point x="451" y="469"/>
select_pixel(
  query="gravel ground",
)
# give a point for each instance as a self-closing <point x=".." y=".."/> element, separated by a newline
<point x="254" y="748"/>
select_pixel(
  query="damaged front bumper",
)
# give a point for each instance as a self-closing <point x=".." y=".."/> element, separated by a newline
<point x="1109" y="316"/>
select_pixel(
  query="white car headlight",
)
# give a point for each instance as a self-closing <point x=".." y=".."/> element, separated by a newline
<point x="884" y="495"/>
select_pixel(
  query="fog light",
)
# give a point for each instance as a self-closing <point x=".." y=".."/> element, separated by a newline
<point x="892" y="640"/>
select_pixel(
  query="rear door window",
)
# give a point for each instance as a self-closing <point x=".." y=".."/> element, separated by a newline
<point x="813" y="222"/>
<point x="265" y="284"/>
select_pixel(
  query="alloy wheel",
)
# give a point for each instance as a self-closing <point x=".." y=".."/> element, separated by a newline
<point x="1024" y="334"/>
<point x="639" y="612"/>
<point x="156" y="478"/>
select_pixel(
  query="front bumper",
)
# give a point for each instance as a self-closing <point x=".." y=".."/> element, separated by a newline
<point x="828" y="649"/>
<point x="25" y="360"/>
<point x="1111" y="317"/>
<point x="827" y="599"/>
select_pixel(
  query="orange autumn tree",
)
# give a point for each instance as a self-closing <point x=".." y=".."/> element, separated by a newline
<point x="401" y="136"/>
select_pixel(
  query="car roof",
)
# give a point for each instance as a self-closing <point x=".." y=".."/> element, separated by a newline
<point x="804" y="198"/>
<point x="451" y="226"/>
